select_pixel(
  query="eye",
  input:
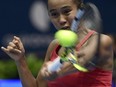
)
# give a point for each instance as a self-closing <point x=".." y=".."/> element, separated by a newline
<point x="66" y="11"/>
<point x="54" y="14"/>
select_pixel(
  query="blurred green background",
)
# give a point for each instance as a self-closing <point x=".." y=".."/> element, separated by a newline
<point x="8" y="69"/>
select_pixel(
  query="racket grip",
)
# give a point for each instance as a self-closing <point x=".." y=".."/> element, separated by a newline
<point x="55" y="65"/>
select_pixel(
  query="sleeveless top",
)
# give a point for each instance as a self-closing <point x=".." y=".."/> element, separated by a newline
<point x="94" y="78"/>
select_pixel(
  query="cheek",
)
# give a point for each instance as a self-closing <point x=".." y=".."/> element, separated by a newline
<point x="54" y="22"/>
<point x="71" y="17"/>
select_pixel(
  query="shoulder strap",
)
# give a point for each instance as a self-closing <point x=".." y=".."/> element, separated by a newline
<point x="84" y="40"/>
<point x="54" y="53"/>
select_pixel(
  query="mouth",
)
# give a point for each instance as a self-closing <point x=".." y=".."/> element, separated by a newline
<point x="66" y="28"/>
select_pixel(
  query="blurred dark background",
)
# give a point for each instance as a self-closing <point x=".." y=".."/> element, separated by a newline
<point x="28" y="19"/>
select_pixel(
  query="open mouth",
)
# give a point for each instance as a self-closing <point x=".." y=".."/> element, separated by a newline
<point x="66" y="28"/>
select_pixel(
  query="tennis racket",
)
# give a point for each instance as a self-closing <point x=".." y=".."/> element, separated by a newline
<point x="88" y="17"/>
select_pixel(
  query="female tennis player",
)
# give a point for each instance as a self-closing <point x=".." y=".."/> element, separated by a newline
<point x="62" y="13"/>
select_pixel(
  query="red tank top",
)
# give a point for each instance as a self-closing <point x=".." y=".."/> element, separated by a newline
<point x="95" y="78"/>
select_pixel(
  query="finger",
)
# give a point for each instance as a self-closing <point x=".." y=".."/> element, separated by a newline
<point x="5" y="49"/>
<point x="12" y="45"/>
<point x="17" y="39"/>
<point x="17" y="42"/>
<point x="9" y="47"/>
<point x="43" y="70"/>
<point x="14" y="39"/>
<point x="80" y="54"/>
<point x="47" y="74"/>
<point x="13" y="50"/>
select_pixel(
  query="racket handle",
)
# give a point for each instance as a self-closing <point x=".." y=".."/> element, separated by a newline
<point x="56" y="64"/>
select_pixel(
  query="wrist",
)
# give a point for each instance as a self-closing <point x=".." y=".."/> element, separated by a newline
<point x="21" y="60"/>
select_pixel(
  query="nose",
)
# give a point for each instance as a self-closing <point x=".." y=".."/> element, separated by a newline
<point x="62" y="20"/>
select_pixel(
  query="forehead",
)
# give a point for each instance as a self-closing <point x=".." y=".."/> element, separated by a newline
<point x="54" y="4"/>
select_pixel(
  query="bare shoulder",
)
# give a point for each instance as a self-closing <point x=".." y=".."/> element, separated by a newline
<point x="106" y="40"/>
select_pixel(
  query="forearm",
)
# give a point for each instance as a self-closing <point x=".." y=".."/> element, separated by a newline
<point x="41" y="82"/>
<point x="26" y="76"/>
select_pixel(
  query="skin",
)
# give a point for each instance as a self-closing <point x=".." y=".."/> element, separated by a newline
<point x="61" y="13"/>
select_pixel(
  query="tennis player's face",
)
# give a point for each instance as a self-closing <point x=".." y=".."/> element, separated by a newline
<point x="62" y="12"/>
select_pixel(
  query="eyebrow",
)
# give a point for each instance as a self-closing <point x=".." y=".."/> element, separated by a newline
<point x="52" y="10"/>
<point x="64" y="7"/>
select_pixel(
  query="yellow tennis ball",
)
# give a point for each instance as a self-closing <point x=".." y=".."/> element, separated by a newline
<point x="66" y="38"/>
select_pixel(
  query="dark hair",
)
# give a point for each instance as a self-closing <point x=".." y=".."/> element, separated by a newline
<point x="78" y="2"/>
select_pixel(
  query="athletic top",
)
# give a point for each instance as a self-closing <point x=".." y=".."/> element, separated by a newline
<point x="94" y="78"/>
